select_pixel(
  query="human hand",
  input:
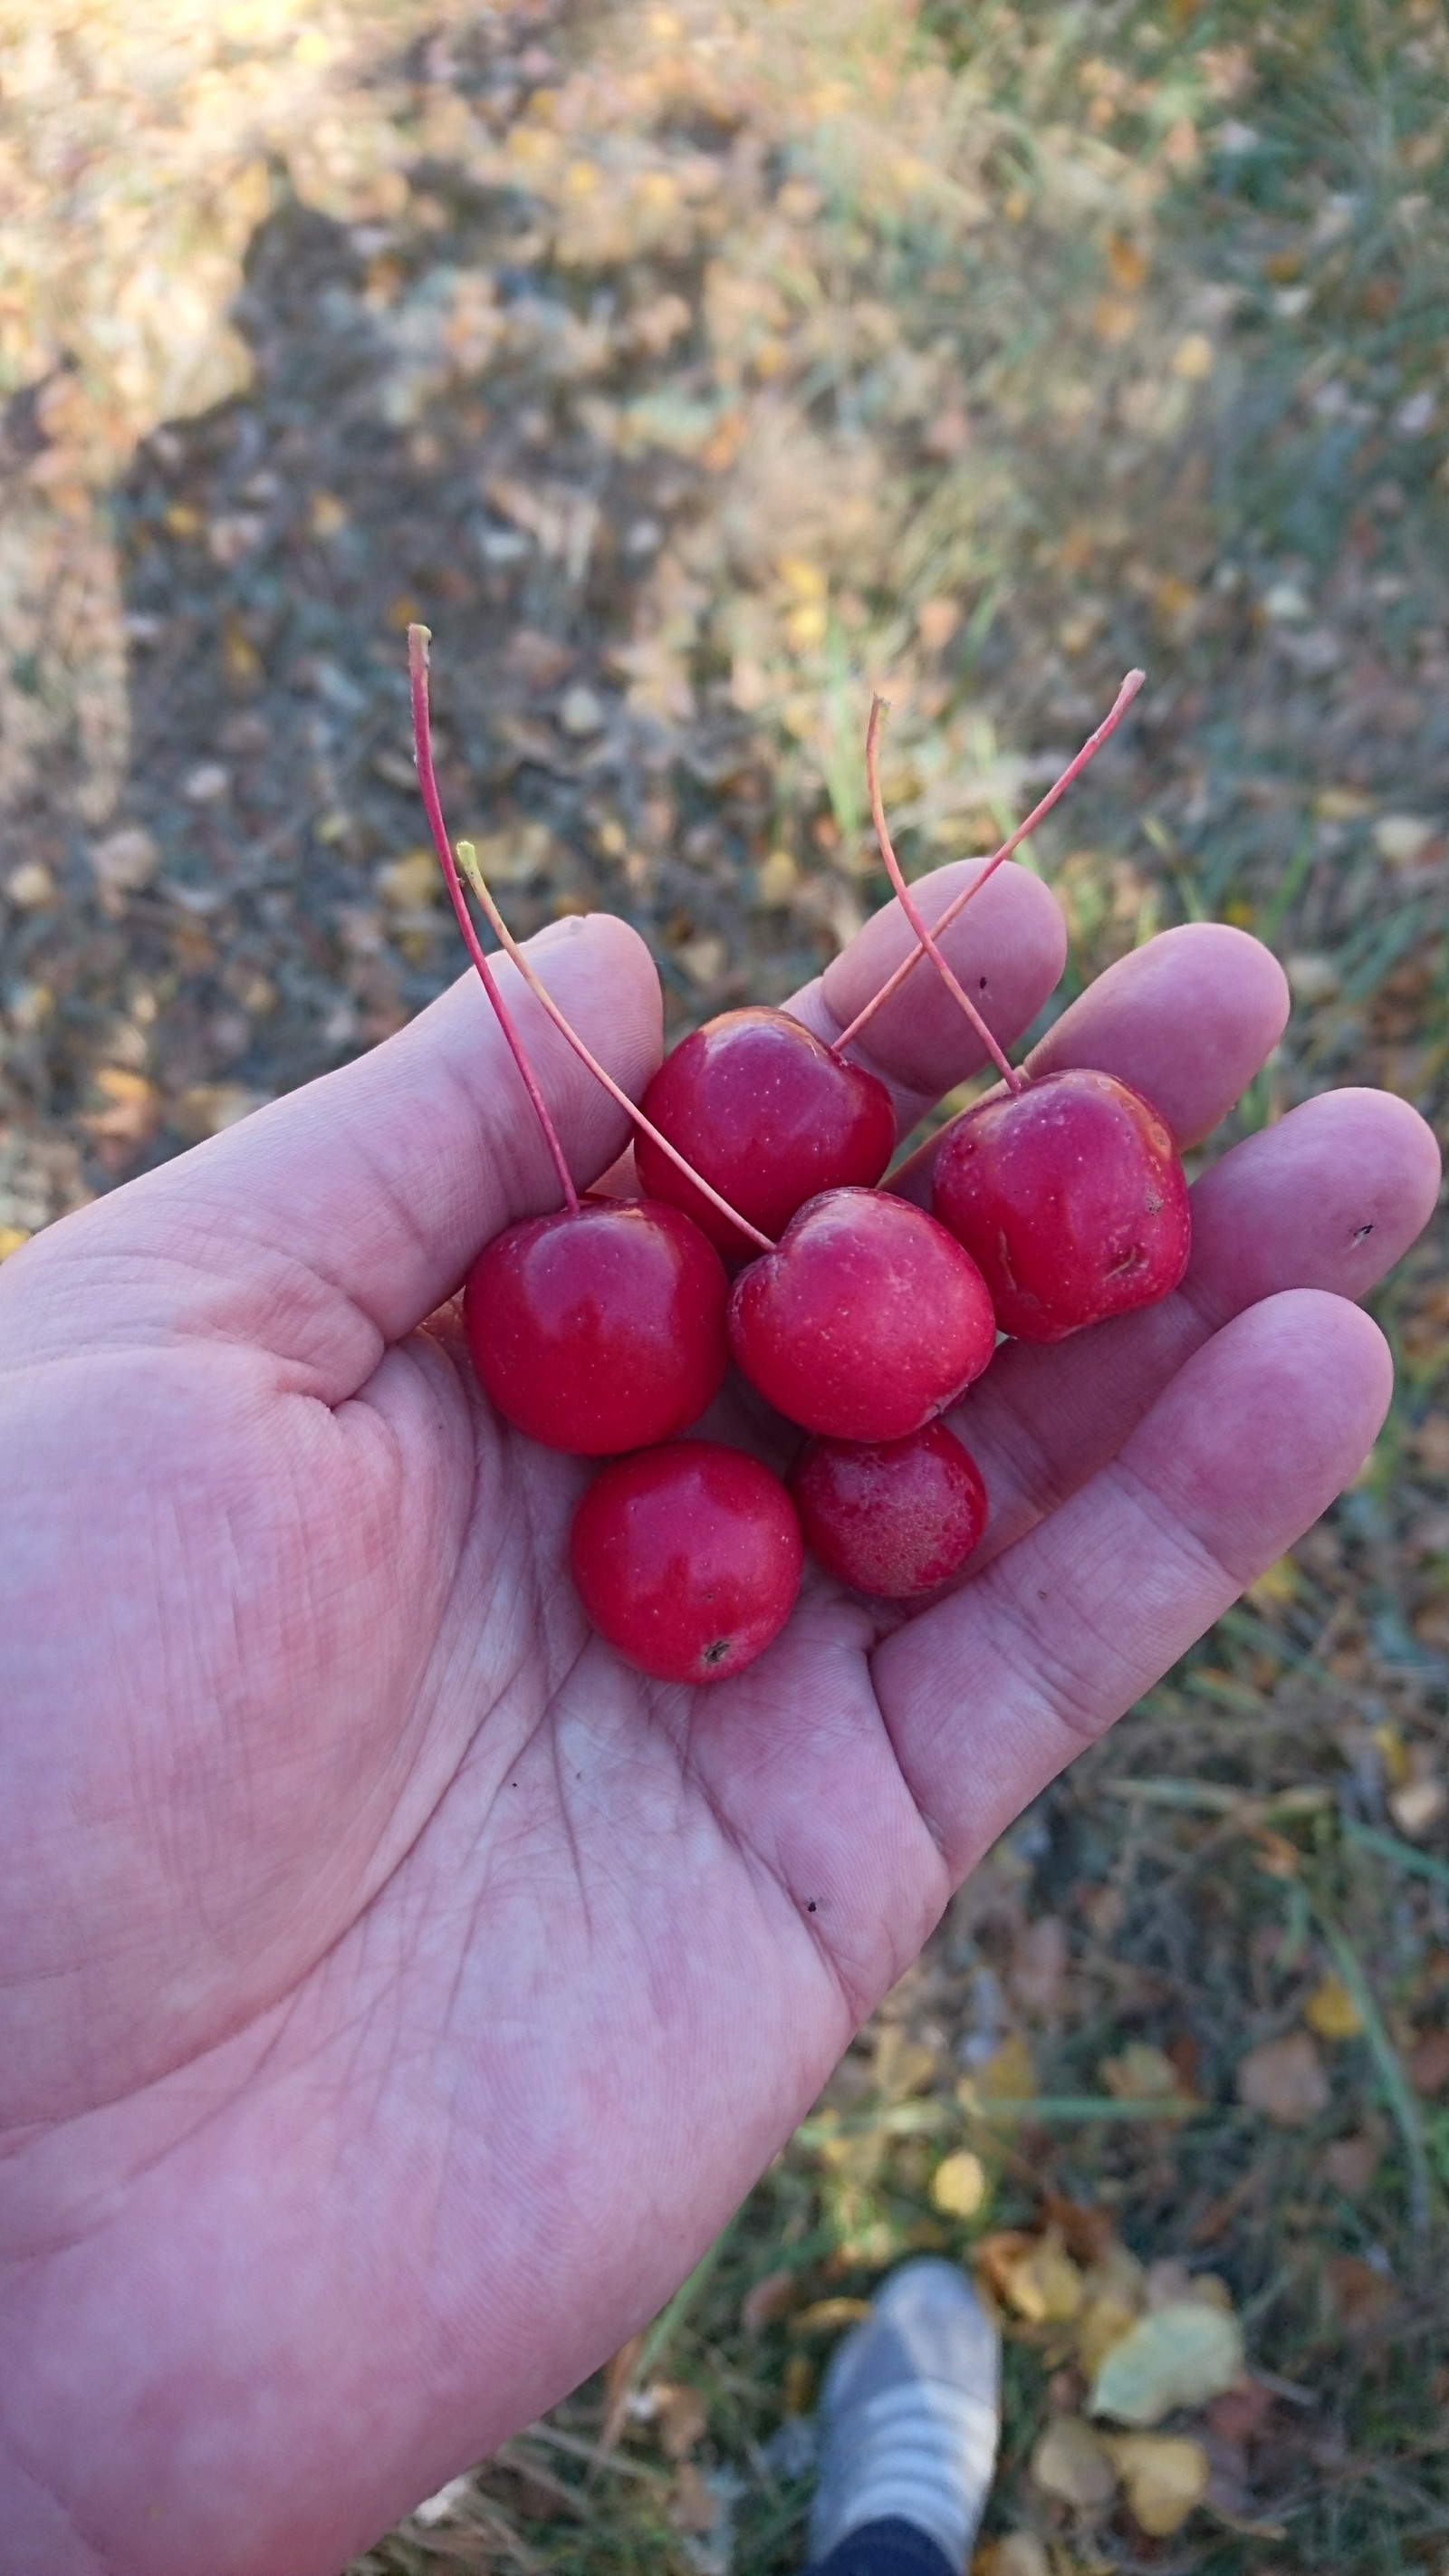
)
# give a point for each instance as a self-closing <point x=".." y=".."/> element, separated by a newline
<point x="399" y="1992"/>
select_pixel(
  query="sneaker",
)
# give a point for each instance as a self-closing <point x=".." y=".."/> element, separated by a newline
<point x="910" y="2415"/>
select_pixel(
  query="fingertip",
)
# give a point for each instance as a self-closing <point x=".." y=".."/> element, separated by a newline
<point x="1188" y="1018"/>
<point x="1008" y="947"/>
<point x="1406" y="1149"/>
<point x="1269" y="1422"/>
<point x="601" y="974"/>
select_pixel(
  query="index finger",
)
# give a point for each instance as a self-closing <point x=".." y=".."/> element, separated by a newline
<point x="1008" y="948"/>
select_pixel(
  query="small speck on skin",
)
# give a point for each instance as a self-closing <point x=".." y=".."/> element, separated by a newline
<point x="811" y="1907"/>
<point x="1361" y="1233"/>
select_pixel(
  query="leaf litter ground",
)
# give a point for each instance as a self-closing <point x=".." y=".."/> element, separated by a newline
<point x="689" y="370"/>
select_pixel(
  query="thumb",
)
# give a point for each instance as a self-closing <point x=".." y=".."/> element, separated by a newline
<point x="384" y="1179"/>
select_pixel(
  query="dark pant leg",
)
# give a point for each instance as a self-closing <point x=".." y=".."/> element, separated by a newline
<point x="892" y="2548"/>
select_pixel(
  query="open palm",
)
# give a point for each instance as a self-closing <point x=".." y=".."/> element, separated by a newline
<point x="398" y="1992"/>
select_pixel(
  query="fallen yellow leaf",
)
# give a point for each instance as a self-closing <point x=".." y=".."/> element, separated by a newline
<point x="1276" y="1586"/>
<point x="1192" y="359"/>
<point x="1071" y="2462"/>
<point x="327" y="517"/>
<point x="1126" y="264"/>
<point x="1019" y="2554"/>
<point x="959" y="2185"/>
<point x="829" y="2316"/>
<point x="1331" y="2010"/>
<point x="1341" y="804"/>
<point x="1165" y="2476"/>
<point x="1389" y="1745"/>
<point x="1007" y="2075"/>
<point x="804" y="579"/>
<point x="410" y="881"/>
<point x="805" y="626"/>
<point x="776" y="878"/>
<point x="1141" y="2073"/>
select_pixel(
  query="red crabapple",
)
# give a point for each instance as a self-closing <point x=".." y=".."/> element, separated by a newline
<point x="599" y="1328"/>
<point x="769" y="1115"/>
<point x="1070" y="1196"/>
<point x="687" y="1559"/>
<point x="893" y="1518"/>
<point x="865" y="1321"/>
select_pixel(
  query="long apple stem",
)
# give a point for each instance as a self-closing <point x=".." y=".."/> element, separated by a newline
<point x="467" y="856"/>
<point x="1073" y="770"/>
<point x="646" y="1127"/>
<point x="418" y="642"/>
<point x="1014" y="1081"/>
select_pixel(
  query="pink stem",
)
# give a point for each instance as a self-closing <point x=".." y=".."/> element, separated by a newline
<point x="645" y="1126"/>
<point x="418" y="664"/>
<point x="418" y="641"/>
<point x="1073" y="770"/>
<point x="1014" y="1081"/>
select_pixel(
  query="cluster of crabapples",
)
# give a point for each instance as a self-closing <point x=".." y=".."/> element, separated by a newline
<point x="764" y="1238"/>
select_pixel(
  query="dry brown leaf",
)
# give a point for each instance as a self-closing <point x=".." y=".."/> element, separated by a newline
<point x="1429" y="1441"/>
<point x="682" y="2417"/>
<point x="1351" y="2163"/>
<point x="691" y="2505"/>
<point x="768" y="2300"/>
<point x="1071" y="2463"/>
<point x="1165" y="2476"/>
<point x="134" y="1111"/>
<point x="1126" y="264"/>
<point x="997" y="2253"/>
<point x="1039" y="1967"/>
<point x="126" y="860"/>
<point x="1240" y="2414"/>
<point x="619" y="2371"/>
<point x="936" y="622"/>
<point x="1088" y="2234"/>
<point x="1362" y="2296"/>
<point x="1428" y="2062"/>
<point x="1042" y="2282"/>
<point x="1114" y="319"/>
<point x="1285" y="2079"/>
